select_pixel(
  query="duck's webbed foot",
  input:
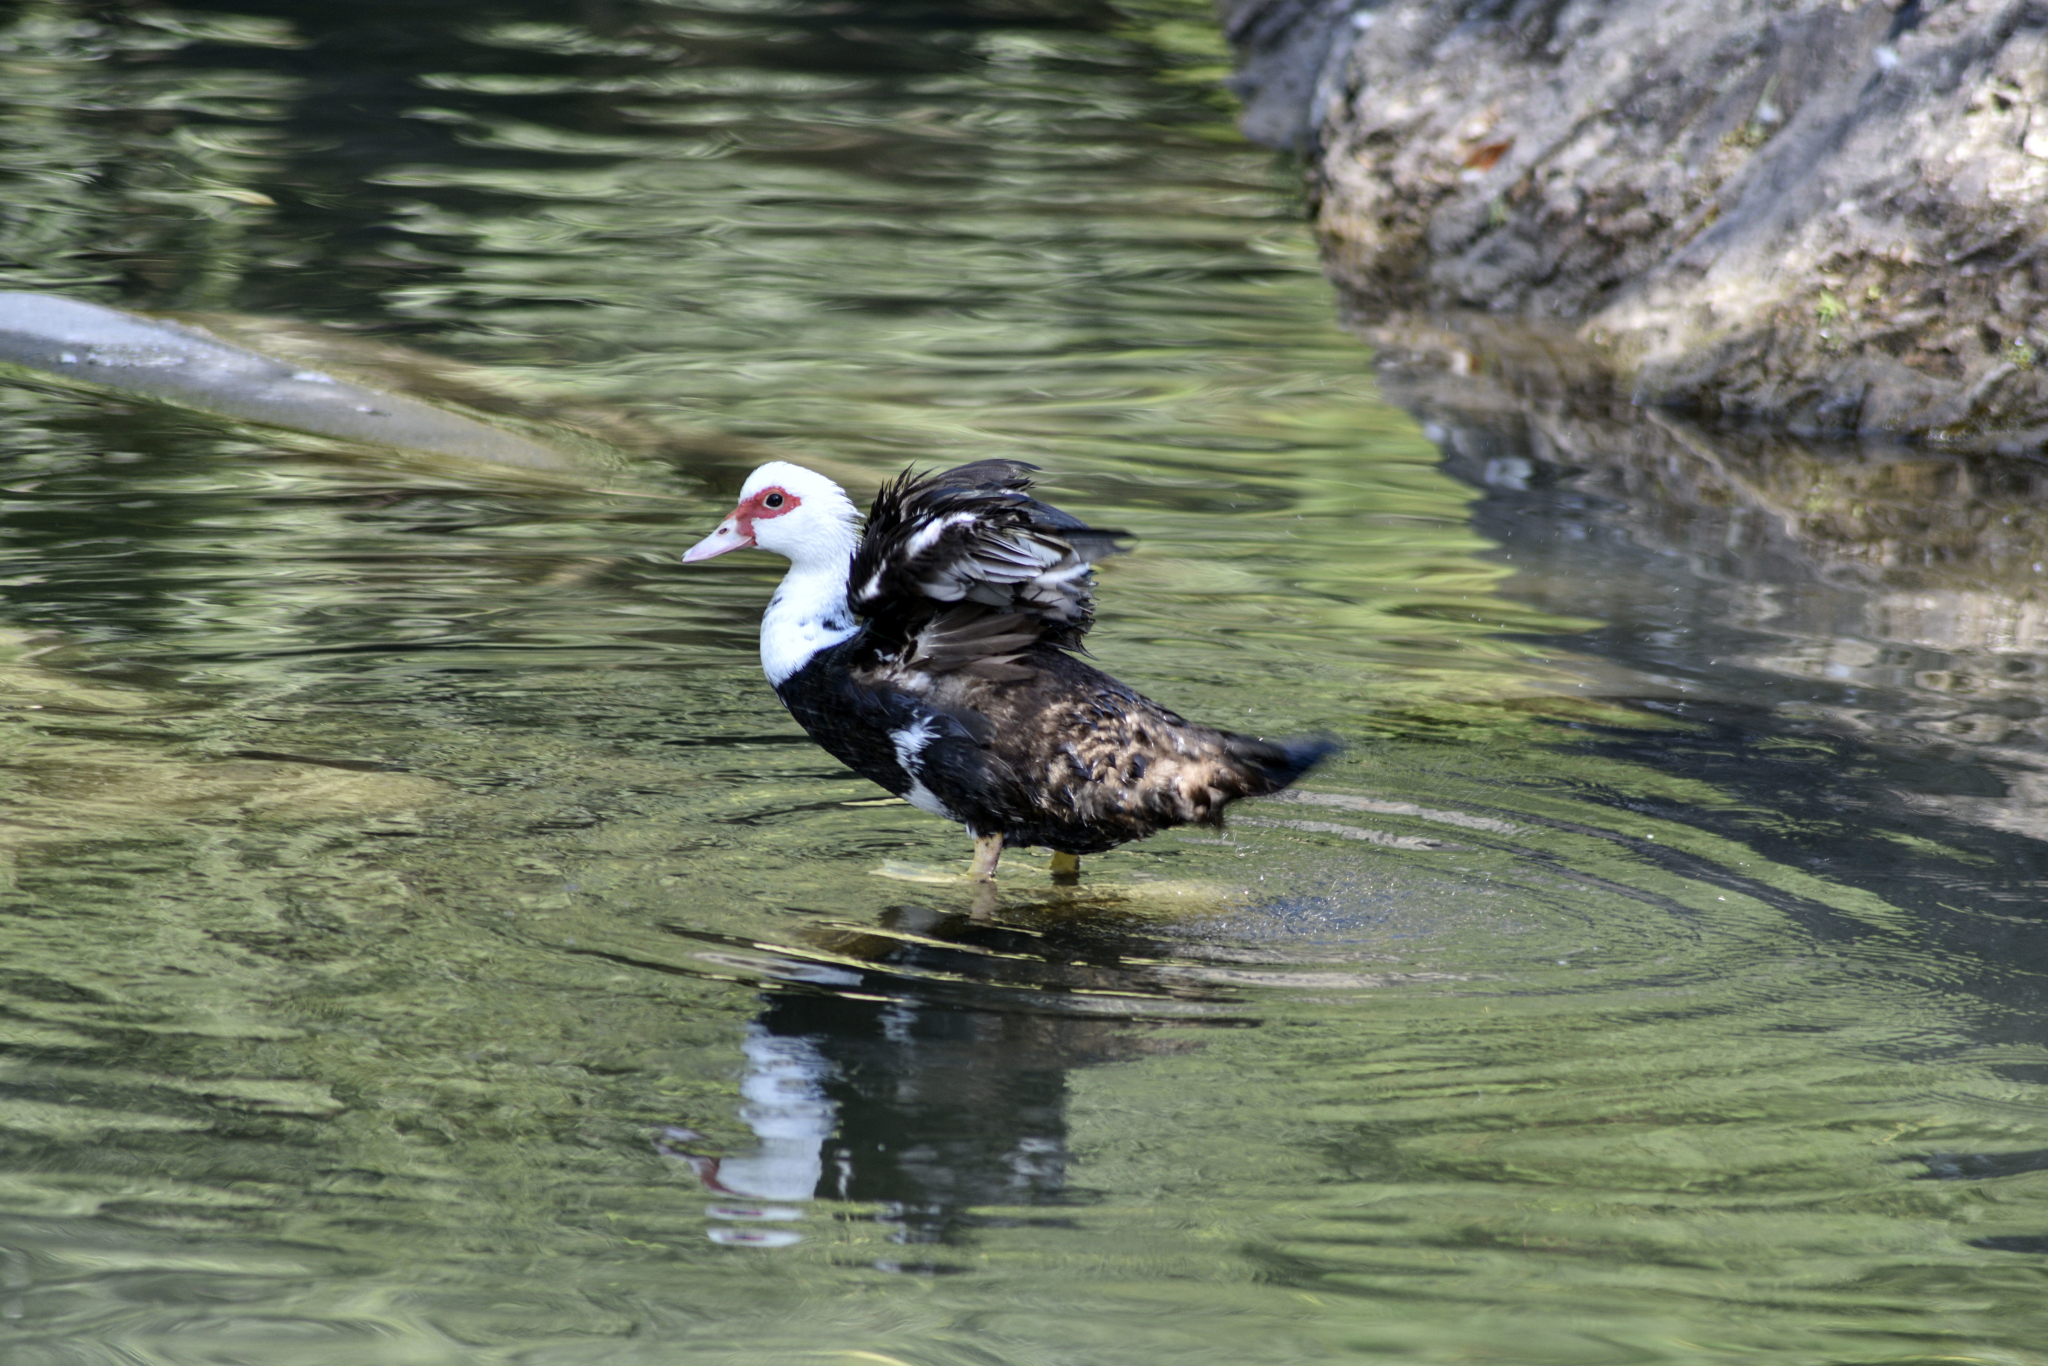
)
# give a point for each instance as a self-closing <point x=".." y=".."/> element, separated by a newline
<point x="987" y="849"/>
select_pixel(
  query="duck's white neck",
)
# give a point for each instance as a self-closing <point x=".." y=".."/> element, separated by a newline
<point x="808" y="612"/>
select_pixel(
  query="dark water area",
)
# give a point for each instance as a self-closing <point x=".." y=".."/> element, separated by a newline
<point x="424" y="940"/>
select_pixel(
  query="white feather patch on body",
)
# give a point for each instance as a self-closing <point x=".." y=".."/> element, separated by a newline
<point x="910" y="743"/>
<point x="807" y="614"/>
<point x="928" y="535"/>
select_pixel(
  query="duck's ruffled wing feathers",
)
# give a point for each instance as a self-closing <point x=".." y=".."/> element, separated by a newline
<point x="965" y="569"/>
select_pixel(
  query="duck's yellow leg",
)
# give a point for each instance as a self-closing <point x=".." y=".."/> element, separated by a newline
<point x="987" y="849"/>
<point x="1066" y="865"/>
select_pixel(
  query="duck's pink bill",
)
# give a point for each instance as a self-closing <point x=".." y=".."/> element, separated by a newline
<point x="728" y="537"/>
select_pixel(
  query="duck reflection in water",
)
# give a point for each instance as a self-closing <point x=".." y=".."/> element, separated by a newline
<point x="937" y="1100"/>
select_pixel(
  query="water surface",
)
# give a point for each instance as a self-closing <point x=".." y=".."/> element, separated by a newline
<point x="427" y="942"/>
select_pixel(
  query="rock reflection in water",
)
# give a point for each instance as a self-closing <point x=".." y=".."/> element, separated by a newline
<point x="931" y="1087"/>
<point x="1892" y="594"/>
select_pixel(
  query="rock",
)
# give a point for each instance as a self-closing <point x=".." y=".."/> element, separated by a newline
<point x="1827" y="214"/>
<point x="1288" y="52"/>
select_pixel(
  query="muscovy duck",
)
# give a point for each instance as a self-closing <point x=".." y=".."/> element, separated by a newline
<point x="932" y="654"/>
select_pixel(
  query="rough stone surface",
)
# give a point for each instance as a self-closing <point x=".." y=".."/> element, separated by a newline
<point x="1832" y="214"/>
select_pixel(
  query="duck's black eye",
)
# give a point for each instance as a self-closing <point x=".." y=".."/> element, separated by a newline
<point x="773" y="500"/>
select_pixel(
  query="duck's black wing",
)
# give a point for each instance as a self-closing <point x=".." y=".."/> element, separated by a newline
<point x="963" y="569"/>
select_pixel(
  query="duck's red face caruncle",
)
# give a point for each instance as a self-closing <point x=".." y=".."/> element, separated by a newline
<point x="737" y="531"/>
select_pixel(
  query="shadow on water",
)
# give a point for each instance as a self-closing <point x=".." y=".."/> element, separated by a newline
<point x="922" y="1071"/>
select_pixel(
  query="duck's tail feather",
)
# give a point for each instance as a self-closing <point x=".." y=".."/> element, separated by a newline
<point x="1270" y="765"/>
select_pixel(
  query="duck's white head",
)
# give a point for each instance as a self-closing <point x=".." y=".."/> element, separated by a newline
<point x="797" y="513"/>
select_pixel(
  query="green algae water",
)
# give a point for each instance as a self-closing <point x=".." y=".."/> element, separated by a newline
<point x="425" y="941"/>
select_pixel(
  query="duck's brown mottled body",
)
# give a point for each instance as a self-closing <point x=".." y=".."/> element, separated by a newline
<point x="933" y="658"/>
